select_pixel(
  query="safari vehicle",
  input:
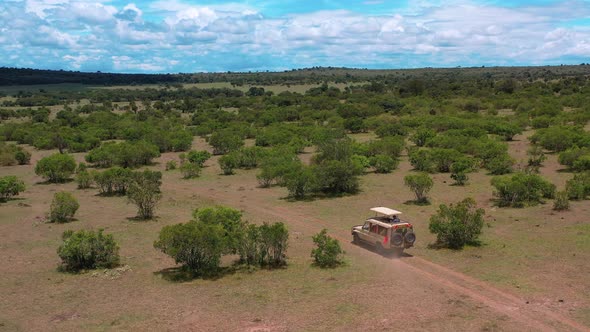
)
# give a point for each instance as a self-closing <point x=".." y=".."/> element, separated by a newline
<point x="385" y="231"/>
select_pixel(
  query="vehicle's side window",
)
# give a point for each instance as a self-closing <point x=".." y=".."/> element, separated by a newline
<point x="382" y="231"/>
<point x="374" y="229"/>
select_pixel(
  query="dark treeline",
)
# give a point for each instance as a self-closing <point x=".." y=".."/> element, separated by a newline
<point x="315" y="75"/>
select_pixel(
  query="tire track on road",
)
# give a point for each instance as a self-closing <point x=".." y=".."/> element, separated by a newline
<point x="536" y="317"/>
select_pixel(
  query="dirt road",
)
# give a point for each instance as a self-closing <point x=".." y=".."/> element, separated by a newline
<point x="532" y="316"/>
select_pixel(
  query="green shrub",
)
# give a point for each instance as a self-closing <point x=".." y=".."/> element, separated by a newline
<point x="228" y="163"/>
<point x="499" y="165"/>
<point x="421" y="160"/>
<point x="225" y="141"/>
<point x="11" y="154"/>
<point x="63" y="207"/>
<point x="88" y="250"/>
<point x="56" y="168"/>
<point x="171" y="165"/>
<point x="144" y="192"/>
<point x="328" y="252"/>
<point x="572" y="156"/>
<point x="521" y="189"/>
<point x="190" y="170"/>
<point x="578" y="187"/>
<point x="22" y="156"/>
<point x="113" y="181"/>
<point x="422" y="136"/>
<point x="124" y="154"/>
<point x="273" y="244"/>
<point x="420" y="184"/>
<point x="198" y="157"/>
<point x="301" y="182"/>
<point x="444" y="158"/>
<point x="196" y="245"/>
<point x="459" y="170"/>
<point x="229" y="219"/>
<point x="536" y="158"/>
<point x="249" y="247"/>
<point x="561" y="202"/>
<point x="337" y="177"/>
<point x="84" y="179"/>
<point x="10" y="186"/>
<point x="457" y="224"/>
<point x="383" y="163"/>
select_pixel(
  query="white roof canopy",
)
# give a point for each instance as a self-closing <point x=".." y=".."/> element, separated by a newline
<point x="385" y="211"/>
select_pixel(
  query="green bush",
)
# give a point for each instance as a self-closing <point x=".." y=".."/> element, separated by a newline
<point x="336" y="177"/>
<point x="229" y="219"/>
<point x="144" y="192"/>
<point x="328" y="252"/>
<point x="225" y="141"/>
<point x="521" y="189"/>
<point x="300" y="182"/>
<point x="249" y="247"/>
<point x="536" y="158"/>
<point x="420" y="184"/>
<point x="196" y="245"/>
<point x="578" y="187"/>
<point x="190" y="170"/>
<point x="422" y="136"/>
<point x="10" y="186"/>
<point x="383" y="163"/>
<point x="63" y="207"/>
<point x="457" y="224"/>
<point x="198" y="157"/>
<point x="56" y="168"/>
<point x="560" y="138"/>
<point x="572" y="155"/>
<point x="273" y="244"/>
<point x="84" y="179"/>
<point x="22" y="156"/>
<point x="561" y="202"/>
<point x="124" y="154"/>
<point x="88" y="250"/>
<point x="113" y="181"/>
<point x="421" y="160"/>
<point x="459" y="170"/>
<point x="171" y="165"/>
<point x="11" y="154"/>
<point x="499" y="165"/>
<point x="228" y="163"/>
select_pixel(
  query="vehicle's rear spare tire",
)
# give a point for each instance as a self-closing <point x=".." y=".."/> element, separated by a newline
<point x="397" y="239"/>
<point x="410" y="237"/>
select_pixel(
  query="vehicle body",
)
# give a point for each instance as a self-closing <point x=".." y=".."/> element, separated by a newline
<point x="385" y="231"/>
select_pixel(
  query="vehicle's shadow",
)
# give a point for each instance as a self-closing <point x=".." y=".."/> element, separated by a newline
<point x="386" y="254"/>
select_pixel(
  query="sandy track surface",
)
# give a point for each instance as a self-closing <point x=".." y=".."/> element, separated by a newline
<point x="531" y="316"/>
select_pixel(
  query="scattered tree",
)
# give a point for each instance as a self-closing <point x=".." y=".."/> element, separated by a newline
<point x="328" y="251"/>
<point x="56" y="168"/>
<point x="420" y="184"/>
<point x="88" y="250"/>
<point x="561" y="202"/>
<point x="144" y="192"/>
<point x="10" y="186"/>
<point x="63" y="207"/>
<point x="457" y="224"/>
<point x="521" y="189"/>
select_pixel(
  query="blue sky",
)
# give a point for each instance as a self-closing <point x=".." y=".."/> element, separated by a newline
<point x="160" y="36"/>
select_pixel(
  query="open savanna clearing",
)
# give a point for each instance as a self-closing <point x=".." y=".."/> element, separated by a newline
<point x="530" y="273"/>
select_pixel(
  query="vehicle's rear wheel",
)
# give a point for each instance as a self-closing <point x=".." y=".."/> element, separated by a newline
<point x="356" y="239"/>
<point x="410" y="238"/>
<point x="397" y="239"/>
